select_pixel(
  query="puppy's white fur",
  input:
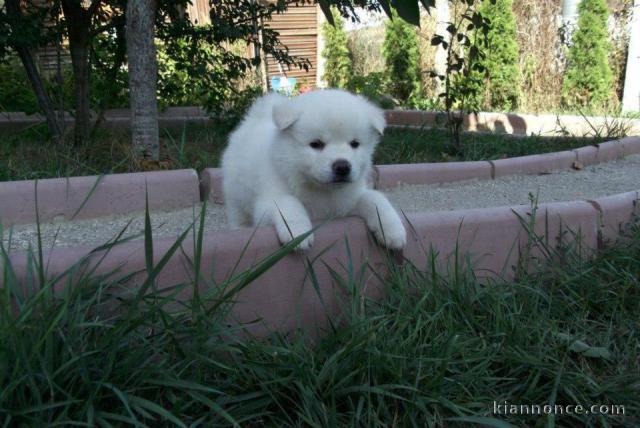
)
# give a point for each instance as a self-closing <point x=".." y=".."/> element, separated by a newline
<point x="272" y="175"/>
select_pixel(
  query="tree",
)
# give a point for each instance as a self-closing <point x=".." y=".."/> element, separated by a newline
<point x="143" y="70"/>
<point x="443" y="19"/>
<point x="338" y="60"/>
<point x="22" y="31"/>
<point x="100" y="23"/>
<point x="588" y="81"/>
<point x="402" y="58"/>
<point x="465" y="41"/>
<point x="631" y="96"/>
<point x="501" y="56"/>
<point x="78" y="21"/>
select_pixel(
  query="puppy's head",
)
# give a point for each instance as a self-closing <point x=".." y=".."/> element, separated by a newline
<point x="328" y="136"/>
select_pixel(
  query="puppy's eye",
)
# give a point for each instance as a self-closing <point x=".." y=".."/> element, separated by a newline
<point x="317" y="145"/>
<point x="355" y="144"/>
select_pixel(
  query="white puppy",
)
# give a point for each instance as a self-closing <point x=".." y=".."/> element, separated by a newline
<point x="293" y="160"/>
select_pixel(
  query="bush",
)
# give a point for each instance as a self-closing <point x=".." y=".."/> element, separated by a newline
<point x="182" y="80"/>
<point x="336" y="53"/>
<point x="371" y="86"/>
<point x="232" y="110"/>
<point x="501" y="60"/>
<point x="588" y="80"/>
<point x="177" y="86"/>
<point x="15" y="91"/>
<point x="402" y="59"/>
<point x="365" y="46"/>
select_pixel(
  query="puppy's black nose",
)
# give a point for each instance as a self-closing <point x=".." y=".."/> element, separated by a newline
<point x="341" y="168"/>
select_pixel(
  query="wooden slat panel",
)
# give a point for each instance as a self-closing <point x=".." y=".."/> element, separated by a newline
<point x="298" y="30"/>
<point x="198" y="12"/>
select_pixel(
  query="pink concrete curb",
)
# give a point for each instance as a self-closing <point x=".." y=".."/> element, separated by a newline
<point x="631" y="145"/>
<point x="211" y="185"/>
<point x="534" y="164"/>
<point x="282" y="298"/>
<point x="285" y="299"/>
<point x="495" y="237"/>
<point x="172" y="117"/>
<point x="413" y="117"/>
<point x="587" y="155"/>
<point x="124" y="193"/>
<point x="615" y="212"/>
<point x="610" y="151"/>
<point x="112" y="194"/>
<point x="513" y="123"/>
<point x="389" y="176"/>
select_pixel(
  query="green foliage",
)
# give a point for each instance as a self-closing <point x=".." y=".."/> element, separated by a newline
<point x="337" y="68"/>
<point x="372" y="87"/>
<point x="464" y="73"/>
<point x="501" y="56"/>
<point x="15" y="90"/>
<point x="16" y="94"/>
<point x="402" y="59"/>
<point x="588" y="80"/>
<point x="24" y="29"/>
<point x="109" y="75"/>
<point x="215" y="53"/>
<point x="198" y="64"/>
<point x="236" y="104"/>
<point x="176" y="85"/>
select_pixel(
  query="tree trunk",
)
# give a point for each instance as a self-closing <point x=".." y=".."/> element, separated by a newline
<point x="631" y="97"/>
<point x="79" y="48"/>
<point x="440" y="62"/>
<point x="141" y="52"/>
<point x="33" y="74"/>
<point x="78" y="20"/>
<point x="569" y="19"/>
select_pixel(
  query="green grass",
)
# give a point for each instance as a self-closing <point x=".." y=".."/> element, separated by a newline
<point x="437" y="351"/>
<point x="434" y="145"/>
<point x="29" y="154"/>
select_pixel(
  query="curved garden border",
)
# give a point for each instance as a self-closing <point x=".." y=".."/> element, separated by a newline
<point x="282" y="298"/>
<point x="509" y="123"/>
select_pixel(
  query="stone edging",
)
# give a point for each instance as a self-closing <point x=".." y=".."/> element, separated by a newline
<point x="283" y="298"/>
<point x="510" y="123"/>
<point x="125" y="193"/>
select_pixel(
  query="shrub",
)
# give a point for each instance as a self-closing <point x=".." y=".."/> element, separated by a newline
<point x="336" y="53"/>
<point x="177" y="86"/>
<point x="371" y="86"/>
<point x="230" y="112"/>
<point x="365" y="46"/>
<point x="402" y="58"/>
<point x="15" y="91"/>
<point x="501" y="56"/>
<point x="589" y="80"/>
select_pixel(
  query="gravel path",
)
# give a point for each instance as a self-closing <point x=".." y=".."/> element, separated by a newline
<point x="591" y="182"/>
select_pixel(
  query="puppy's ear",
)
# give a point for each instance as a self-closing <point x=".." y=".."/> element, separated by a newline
<point x="377" y="119"/>
<point x="285" y="114"/>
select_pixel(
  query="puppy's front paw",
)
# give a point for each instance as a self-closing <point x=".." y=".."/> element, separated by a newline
<point x="285" y="236"/>
<point x="390" y="233"/>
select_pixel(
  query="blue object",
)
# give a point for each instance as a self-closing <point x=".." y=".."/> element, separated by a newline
<point x="283" y="84"/>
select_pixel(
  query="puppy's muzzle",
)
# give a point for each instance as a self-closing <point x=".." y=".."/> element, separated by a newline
<point x="341" y="170"/>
